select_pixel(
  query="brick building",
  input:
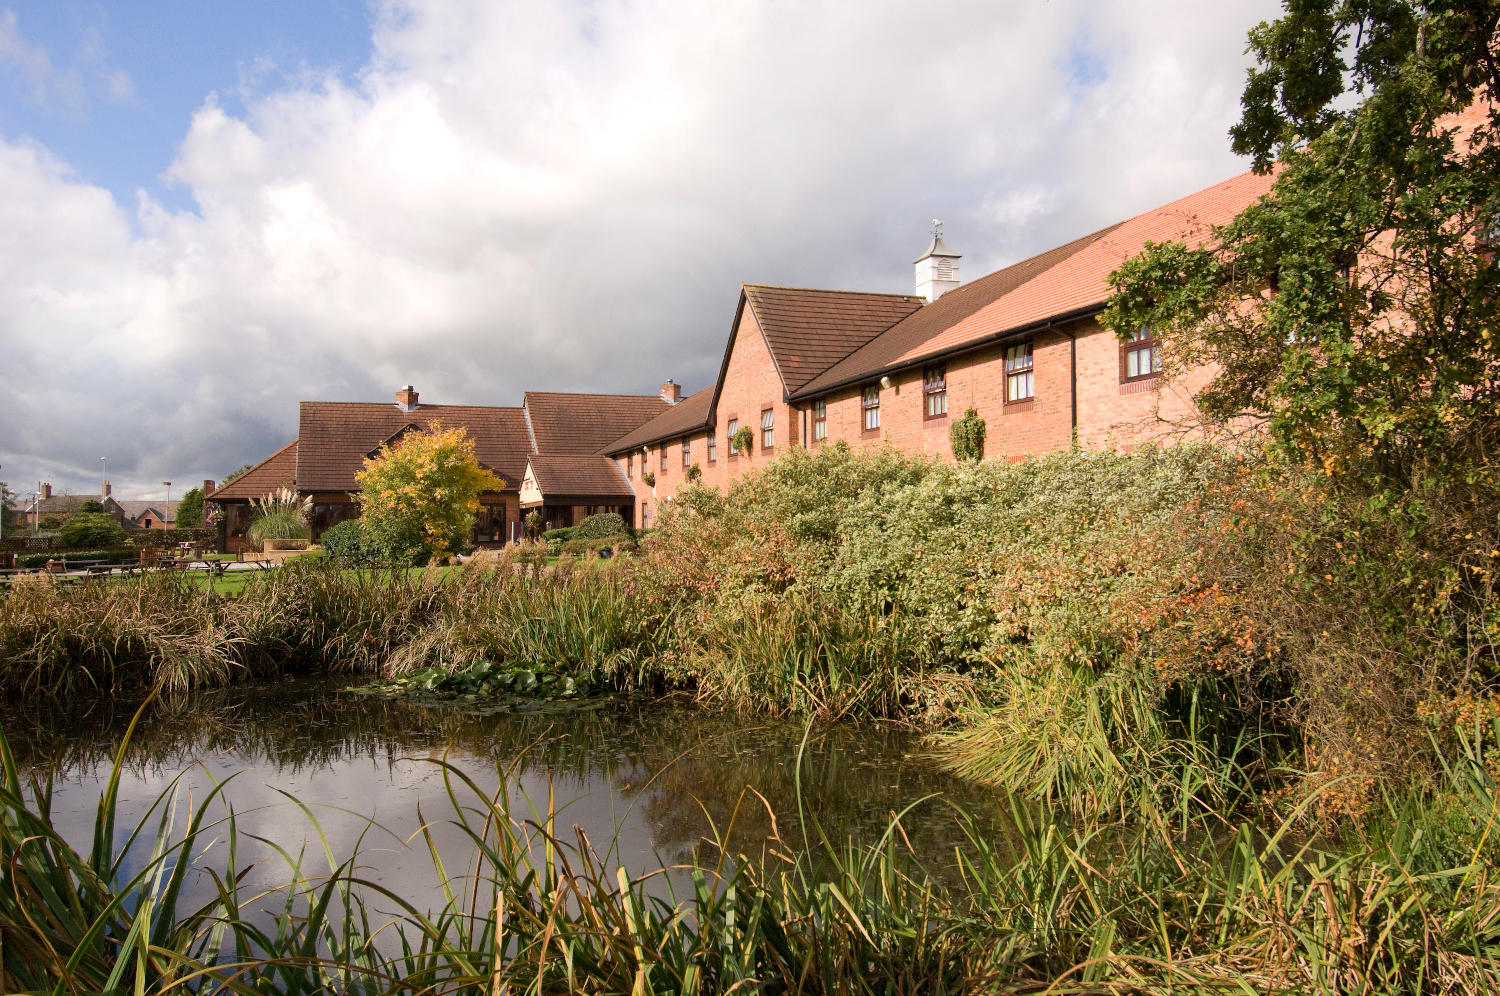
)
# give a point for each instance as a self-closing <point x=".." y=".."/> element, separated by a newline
<point x="1022" y="346"/>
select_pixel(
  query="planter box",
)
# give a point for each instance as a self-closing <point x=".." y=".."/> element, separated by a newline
<point x="283" y="544"/>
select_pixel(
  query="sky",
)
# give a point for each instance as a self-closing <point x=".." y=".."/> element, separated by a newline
<point x="213" y="211"/>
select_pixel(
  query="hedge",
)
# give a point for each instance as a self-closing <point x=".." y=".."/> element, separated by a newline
<point x="139" y="539"/>
<point x="116" y="556"/>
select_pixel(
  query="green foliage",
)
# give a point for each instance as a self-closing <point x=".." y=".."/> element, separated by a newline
<point x="345" y="544"/>
<point x="648" y="478"/>
<point x="967" y="435"/>
<point x="742" y="441"/>
<point x="190" y="509"/>
<point x="236" y="473"/>
<point x="49" y="522"/>
<point x="694" y="474"/>
<point x="91" y="505"/>
<point x="92" y="529"/>
<point x="418" y="496"/>
<point x="600" y="526"/>
<point x="1351" y="311"/>
<point x="486" y="686"/>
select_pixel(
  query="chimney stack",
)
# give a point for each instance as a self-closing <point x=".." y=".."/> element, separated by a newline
<point x="406" y="399"/>
<point x="46" y="491"/>
<point x="104" y="491"/>
<point x="671" y="392"/>
<point x="937" y="268"/>
<point x="208" y="488"/>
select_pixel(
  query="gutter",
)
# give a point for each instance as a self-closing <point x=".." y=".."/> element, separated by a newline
<point x="968" y="347"/>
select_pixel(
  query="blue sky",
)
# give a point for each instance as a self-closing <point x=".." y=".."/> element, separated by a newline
<point x="215" y="210"/>
<point x="127" y="77"/>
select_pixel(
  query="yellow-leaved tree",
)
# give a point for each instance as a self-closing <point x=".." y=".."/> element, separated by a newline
<point x="419" y="494"/>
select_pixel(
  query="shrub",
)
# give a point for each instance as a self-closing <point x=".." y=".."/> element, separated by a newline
<point x="90" y="505"/>
<point x="49" y="522"/>
<point x="92" y="529"/>
<point x="694" y="474"/>
<point x="345" y="544"/>
<point x="560" y="535"/>
<point x="280" y="515"/>
<point x="742" y="440"/>
<point x="967" y="435"/>
<point x="116" y="556"/>
<point x="614" y="544"/>
<point x="599" y="526"/>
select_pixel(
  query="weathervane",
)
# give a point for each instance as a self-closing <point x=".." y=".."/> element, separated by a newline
<point x="937" y="228"/>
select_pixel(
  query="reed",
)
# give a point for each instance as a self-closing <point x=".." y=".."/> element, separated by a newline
<point x="1409" y="903"/>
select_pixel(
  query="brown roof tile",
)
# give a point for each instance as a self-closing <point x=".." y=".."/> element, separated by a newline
<point x="335" y="437"/>
<point x="684" y="418"/>
<point x="1061" y="281"/>
<point x="809" y="331"/>
<point x="279" y="470"/>
<point x="580" y="477"/>
<point x="586" y="423"/>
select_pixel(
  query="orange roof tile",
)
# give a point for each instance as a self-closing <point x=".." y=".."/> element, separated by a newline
<point x="586" y="423"/>
<point x="279" y="470"/>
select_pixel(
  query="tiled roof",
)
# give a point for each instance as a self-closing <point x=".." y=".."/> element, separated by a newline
<point x="136" y="509"/>
<point x="580" y="476"/>
<point x="1061" y="281"/>
<point x="687" y="416"/>
<point x="586" y="423"/>
<point x="335" y="436"/>
<point x="279" y="470"/>
<point x="810" y="330"/>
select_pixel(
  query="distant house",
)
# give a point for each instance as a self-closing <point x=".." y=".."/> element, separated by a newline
<point x="555" y="441"/>
<point x="46" y="506"/>
<point x="149" y="514"/>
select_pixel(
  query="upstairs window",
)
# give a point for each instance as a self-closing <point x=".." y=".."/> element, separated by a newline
<point x="767" y="429"/>
<point x="935" y="391"/>
<point x="870" y="403"/>
<point x="713" y="445"/>
<point x="1020" y="382"/>
<point x="729" y="431"/>
<point x="820" y="420"/>
<point x="630" y="465"/>
<point x="1142" y="354"/>
<point x="662" y="449"/>
<point x="687" y="451"/>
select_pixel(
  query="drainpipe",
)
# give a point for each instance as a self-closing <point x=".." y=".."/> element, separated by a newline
<point x="1072" y="382"/>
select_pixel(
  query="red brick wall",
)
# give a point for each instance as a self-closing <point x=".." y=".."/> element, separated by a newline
<point x="1109" y="413"/>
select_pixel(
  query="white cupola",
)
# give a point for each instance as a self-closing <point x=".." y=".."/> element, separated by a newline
<point x="937" y="268"/>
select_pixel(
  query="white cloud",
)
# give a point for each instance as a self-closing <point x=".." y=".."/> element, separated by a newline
<point x="567" y="196"/>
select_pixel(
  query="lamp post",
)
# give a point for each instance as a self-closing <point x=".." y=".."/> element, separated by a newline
<point x="167" y="512"/>
<point x="103" y="473"/>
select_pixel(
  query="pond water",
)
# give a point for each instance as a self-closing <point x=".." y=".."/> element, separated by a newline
<point x="650" y="785"/>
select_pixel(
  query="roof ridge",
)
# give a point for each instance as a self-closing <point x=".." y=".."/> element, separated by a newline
<point x="830" y="290"/>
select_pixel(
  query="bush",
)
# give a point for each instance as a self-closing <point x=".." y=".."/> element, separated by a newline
<point x="967" y="435"/>
<point x="559" y="535"/>
<point x="345" y="544"/>
<point x="90" y="505"/>
<point x="92" y="529"/>
<point x="614" y="544"/>
<point x="115" y="556"/>
<point x="599" y="526"/>
<point x="142" y="538"/>
<point x="189" y="513"/>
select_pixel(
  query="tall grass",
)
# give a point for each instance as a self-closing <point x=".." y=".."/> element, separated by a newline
<point x="1408" y="904"/>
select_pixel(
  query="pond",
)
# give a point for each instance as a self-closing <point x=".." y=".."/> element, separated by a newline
<point x="651" y="785"/>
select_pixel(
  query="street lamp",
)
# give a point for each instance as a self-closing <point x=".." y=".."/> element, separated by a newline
<point x="103" y="473"/>
<point x="167" y="512"/>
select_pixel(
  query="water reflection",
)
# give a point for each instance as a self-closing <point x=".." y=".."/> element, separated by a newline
<point x="649" y="783"/>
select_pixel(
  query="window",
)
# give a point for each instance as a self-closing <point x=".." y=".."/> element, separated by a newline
<point x="1020" y="382"/>
<point x="630" y="465"/>
<point x="1142" y="354"/>
<point x="687" y="451"/>
<point x="662" y="449"/>
<point x="820" y="420"/>
<point x="713" y="445"/>
<point x="767" y="429"/>
<point x="935" y="391"/>
<point x="730" y="430"/>
<point x="870" y="402"/>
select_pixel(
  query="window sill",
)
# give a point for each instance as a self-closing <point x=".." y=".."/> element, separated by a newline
<point x="1139" y="385"/>
<point x="869" y="433"/>
<point x="934" y="418"/>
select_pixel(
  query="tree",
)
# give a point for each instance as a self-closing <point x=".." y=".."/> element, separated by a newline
<point x="419" y="494"/>
<point x="237" y="472"/>
<point x="92" y="530"/>
<point x="1352" y="312"/>
<point x="190" y="509"/>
